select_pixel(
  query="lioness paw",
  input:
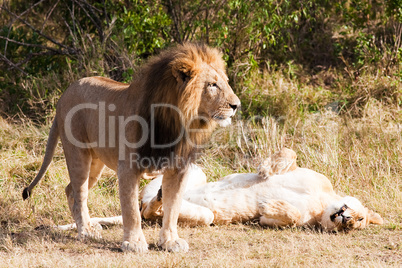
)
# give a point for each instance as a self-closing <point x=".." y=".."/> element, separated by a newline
<point x="175" y="245"/>
<point x="137" y="247"/>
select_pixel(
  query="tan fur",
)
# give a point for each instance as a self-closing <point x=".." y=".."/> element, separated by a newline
<point x="189" y="77"/>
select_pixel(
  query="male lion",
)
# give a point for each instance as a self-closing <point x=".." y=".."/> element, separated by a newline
<point x="157" y="122"/>
<point x="280" y="195"/>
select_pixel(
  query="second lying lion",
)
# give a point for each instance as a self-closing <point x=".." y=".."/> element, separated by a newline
<point x="281" y="194"/>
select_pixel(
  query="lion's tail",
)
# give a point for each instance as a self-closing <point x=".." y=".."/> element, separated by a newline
<point x="50" y="149"/>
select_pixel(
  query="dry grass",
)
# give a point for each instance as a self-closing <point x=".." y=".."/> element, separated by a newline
<point x="218" y="246"/>
<point x="361" y="156"/>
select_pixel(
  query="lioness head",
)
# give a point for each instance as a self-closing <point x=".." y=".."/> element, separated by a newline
<point x="348" y="214"/>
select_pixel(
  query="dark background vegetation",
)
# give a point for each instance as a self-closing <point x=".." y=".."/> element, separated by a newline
<point x="321" y="45"/>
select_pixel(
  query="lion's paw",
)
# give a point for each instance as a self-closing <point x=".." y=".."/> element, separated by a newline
<point x="137" y="247"/>
<point x="177" y="245"/>
<point x="94" y="232"/>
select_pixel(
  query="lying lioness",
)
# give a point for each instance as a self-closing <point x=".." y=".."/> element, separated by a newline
<point x="281" y="194"/>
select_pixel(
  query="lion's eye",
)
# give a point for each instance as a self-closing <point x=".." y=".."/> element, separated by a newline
<point x="213" y="85"/>
<point x="360" y="219"/>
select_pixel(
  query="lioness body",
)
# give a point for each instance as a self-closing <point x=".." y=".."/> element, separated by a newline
<point x="167" y="112"/>
<point x="296" y="197"/>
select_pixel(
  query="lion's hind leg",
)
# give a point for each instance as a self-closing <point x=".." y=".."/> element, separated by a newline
<point x="95" y="172"/>
<point x="278" y="213"/>
<point x="84" y="172"/>
<point x="116" y="220"/>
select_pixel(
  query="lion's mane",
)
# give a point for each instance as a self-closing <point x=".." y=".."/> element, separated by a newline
<point x="173" y="78"/>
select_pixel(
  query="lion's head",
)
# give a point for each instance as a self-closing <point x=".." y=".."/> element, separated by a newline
<point x="185" y="92"/>
<point x="348" y="214"/>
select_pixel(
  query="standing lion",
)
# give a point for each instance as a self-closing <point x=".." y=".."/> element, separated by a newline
<point x="157" y="122"/>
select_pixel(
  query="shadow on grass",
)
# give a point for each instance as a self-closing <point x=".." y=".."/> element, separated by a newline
<point x="67" y="240"/>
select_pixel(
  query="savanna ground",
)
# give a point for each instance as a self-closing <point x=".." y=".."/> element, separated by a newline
<point x="321" y="77"/>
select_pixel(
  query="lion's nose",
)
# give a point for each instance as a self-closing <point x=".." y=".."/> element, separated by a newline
<point x="234" y="105"/>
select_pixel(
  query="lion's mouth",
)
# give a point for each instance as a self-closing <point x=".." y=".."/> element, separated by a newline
<point x="339" y="213"/>
<point x="346" y="219"/>
<point x="223" y="119"/>
<point x="223" y="122"/>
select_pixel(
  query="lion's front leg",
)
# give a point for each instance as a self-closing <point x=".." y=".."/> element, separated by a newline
<point x="173" y="185"/>
<point x="133" y="237"/>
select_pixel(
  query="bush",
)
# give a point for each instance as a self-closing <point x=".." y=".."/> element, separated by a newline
<point x="72" y="39"/>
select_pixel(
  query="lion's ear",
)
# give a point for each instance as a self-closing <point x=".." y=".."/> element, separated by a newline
<point x="375" y="218"/>
<point x="182" y="76"/>
<point x="182" y="70"/>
